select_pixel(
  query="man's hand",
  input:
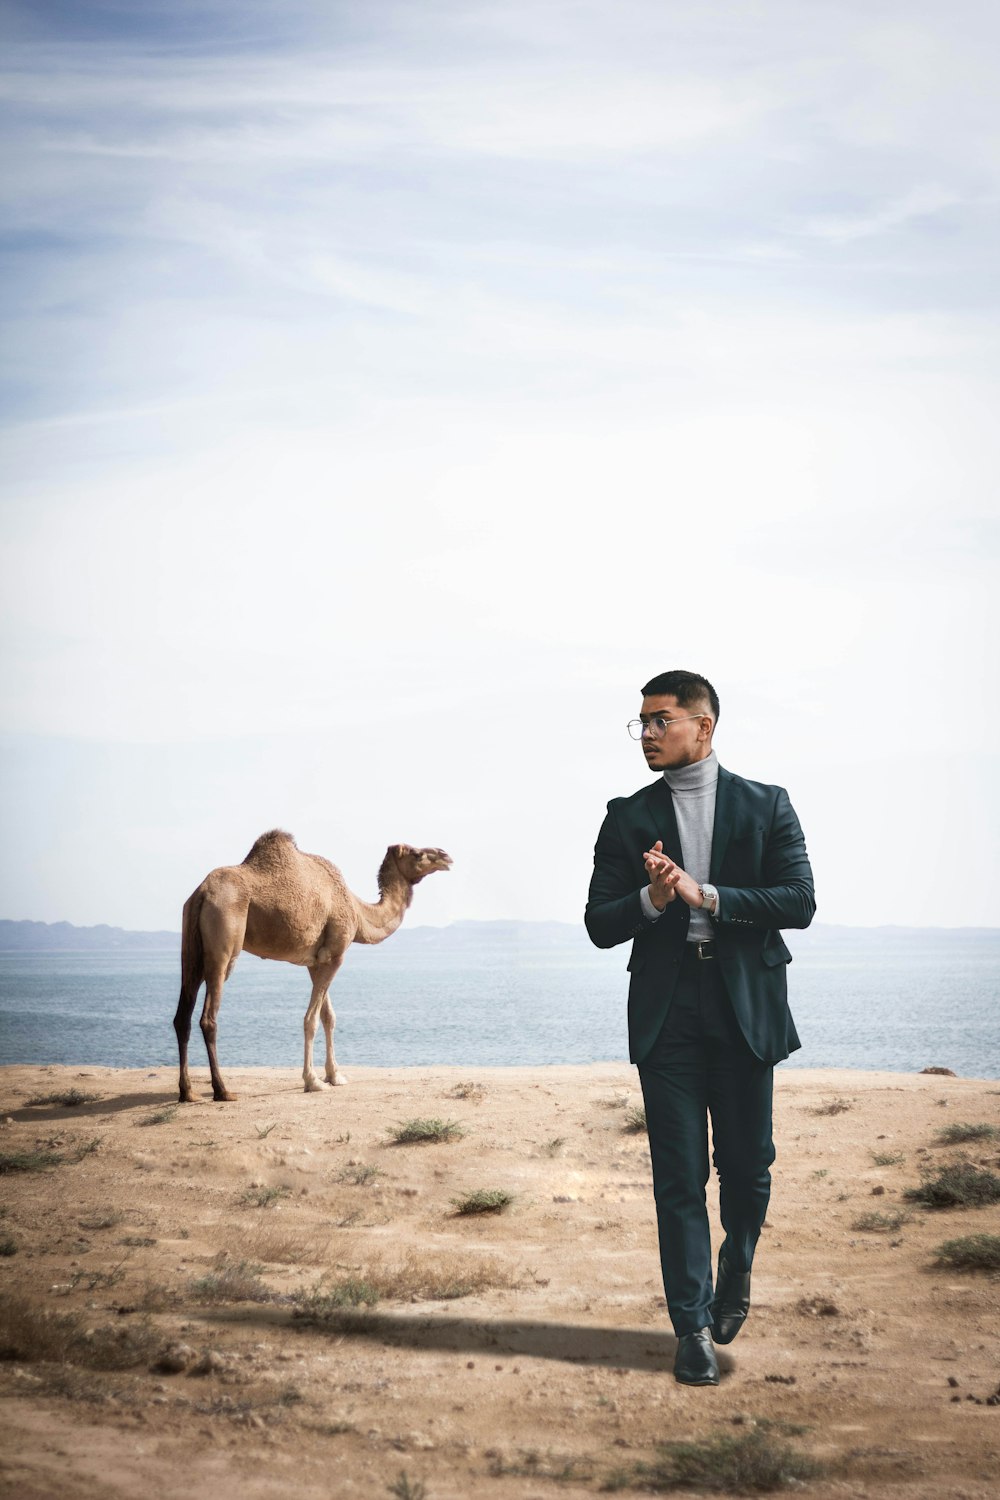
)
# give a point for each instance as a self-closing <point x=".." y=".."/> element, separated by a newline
<point x="667" y="880"/>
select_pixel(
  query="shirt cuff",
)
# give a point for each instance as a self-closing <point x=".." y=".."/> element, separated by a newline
<point x="649" y="911"/>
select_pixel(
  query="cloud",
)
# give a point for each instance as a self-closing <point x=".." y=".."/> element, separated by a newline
<point x="415" y="369"/>
<point x="920" y="203"/>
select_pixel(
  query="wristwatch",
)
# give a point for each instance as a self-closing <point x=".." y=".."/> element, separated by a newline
<point x="709" y="898"/>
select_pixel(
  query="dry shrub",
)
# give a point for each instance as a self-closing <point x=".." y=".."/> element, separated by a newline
<point x="30" y="1333"/>
<point x="879" y="1223"/>
<point x="155" y="1296"/>
<point x="958" y="1185"/>
<point x="832" y="1107"/>
<point x="440" y="1276"/>
<point x="231" y="1281"/>
<point x="468" y="1090"/>
<point x="425" y="1132"/>
<point x="960" y="1132"/>
<point x="483" y="1201"/>
<point x="530" y="1464"/>
<point x="755" y="1462"/>
<point x="360" y="1174"/>
<point x="973" y="1252"/>
<point x="284" y="1247"/>
<point x="29" y="1161"/>
<point x="414" y="1278"/>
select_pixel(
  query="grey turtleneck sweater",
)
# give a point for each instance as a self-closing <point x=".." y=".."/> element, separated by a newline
<point x="693" y="791"/>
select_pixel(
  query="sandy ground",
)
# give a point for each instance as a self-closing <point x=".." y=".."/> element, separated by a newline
<point x="557" y="1364"/>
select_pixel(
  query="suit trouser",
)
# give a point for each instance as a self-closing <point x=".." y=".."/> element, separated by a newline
<point x="701" y="1065"/>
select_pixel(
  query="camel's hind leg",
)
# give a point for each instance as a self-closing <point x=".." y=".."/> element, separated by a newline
<point x="214" y="980"/>
<point x="322" y="976"/>
<point x="182" y="1026"/>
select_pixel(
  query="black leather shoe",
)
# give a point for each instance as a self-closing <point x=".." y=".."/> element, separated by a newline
<point x="730" y="1304"/>
<point x="696" y="1363"/>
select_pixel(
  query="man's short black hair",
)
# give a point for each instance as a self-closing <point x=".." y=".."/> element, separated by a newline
<point x="687" y="687"/>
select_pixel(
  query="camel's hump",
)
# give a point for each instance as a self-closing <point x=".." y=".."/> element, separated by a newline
<point x="276" y="841"/>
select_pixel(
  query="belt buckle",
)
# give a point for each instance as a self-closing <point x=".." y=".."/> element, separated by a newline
<point x="702" y="943"/>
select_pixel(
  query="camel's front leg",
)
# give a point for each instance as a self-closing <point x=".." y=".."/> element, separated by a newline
<point x="319" y="1006"/>
<point x="327" y="1016"/>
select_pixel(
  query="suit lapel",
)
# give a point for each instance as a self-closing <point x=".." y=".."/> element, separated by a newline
<point x="725" y="810"/>
<point x="665" y="821"/>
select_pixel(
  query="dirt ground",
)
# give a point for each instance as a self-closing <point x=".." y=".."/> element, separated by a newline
<point x="269" y="1298"/>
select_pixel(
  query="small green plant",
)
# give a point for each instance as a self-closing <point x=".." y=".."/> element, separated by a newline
<point x="754" y="1462"/>
<point x="161" y="1116"/>
<point x="263" y="1131"/>
<point x="483" y="1201"/>
<point x="405" y="1488"/>
<point x="960" y="1132"/>
<point x="67" y="1098"/>
<point x="420" y="1132"/>
<point x="958" y="1185"/>
<point x="102" y="1221"/>
<point x="360" y="1174"/>
<point x="879" y="1223"/>
<point x="85" y="1148"/>
<point x="635" y="1120"/>
<point x="888" y="1158"/>
<point x="553" y="1147"/>
<point x="263" y="1197"/>
<point x="974" y="1252"/>
<point x="832" y="1107"/>
<point x="8" y="1246"/>
<point x="137" y="1241"/>
<point x="820" y="1172"/>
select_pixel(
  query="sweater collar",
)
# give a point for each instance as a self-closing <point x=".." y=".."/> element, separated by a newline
<point x="697" y="777"/>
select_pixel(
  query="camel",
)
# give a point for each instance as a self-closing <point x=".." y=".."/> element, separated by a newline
<point x="281" y="903"/>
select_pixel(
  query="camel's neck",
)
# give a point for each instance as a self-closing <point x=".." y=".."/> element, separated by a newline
<point x="376" y="923"/>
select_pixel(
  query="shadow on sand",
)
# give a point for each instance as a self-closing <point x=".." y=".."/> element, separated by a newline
<point x="91" y="1109"/>
<point x="572" y="1343"/>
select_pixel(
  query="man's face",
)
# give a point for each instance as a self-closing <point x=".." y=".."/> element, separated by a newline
<point x="686" y="738"/>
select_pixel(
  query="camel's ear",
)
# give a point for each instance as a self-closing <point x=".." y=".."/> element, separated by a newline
<point x="400" y="849"/>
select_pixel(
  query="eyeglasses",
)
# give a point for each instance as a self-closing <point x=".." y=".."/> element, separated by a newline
<point x="657" y="726"/>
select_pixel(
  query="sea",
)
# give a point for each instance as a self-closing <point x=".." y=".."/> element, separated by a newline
<point x="499" y="994"/>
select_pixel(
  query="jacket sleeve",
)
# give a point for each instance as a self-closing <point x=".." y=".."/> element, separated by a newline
<point x="614" y="912"/>
<point x="786" y="897"/>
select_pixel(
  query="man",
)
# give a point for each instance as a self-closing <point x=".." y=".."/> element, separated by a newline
<point x="701" y="870"/>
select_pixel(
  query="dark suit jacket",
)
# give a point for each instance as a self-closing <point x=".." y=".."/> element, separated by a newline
<point x="761" y="869"/>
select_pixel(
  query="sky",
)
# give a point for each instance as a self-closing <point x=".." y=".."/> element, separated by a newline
<point x="389" y="390"/>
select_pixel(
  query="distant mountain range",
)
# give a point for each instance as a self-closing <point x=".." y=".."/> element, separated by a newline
<point x="469" y="936"/>
<point x="55" y="937"/>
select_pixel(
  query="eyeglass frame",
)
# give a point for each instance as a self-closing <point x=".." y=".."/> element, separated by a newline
<point x="653" y="719"/>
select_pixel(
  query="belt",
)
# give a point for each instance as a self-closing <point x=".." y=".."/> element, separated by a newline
<point x="703" y="948"/>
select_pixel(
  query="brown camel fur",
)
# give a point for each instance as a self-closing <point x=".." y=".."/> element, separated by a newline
<point x="281" y="903"/>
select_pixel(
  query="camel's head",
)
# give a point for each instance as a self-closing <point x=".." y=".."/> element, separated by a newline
<point x="414" y="864"/>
